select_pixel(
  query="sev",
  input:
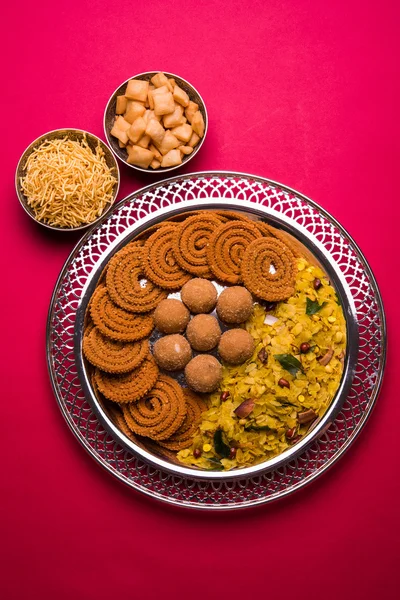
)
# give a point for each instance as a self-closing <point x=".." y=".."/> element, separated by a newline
<point x="66" y="183"/>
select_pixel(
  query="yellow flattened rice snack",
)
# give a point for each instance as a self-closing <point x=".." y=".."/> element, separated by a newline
<point x="265" y="433"/>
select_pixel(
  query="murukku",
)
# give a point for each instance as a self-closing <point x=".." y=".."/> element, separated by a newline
<point x="126" y="283"/>
<point x="117" y="323"/>
<point x="159" y="262"/>
<point x="160" y="413"/>
<point x="129" y="386"/>
<point x="144" y="235"/>
<point x="227" y="246"/>
<point x="119" y="420"/>
<point x="183" y="437"/>
<point x="136" y="243"/>
<point x="113" y="356"/>
<point x="230" y="215"/>
<point x="191" y="241"/>
<point x="145" y="443"/>
<point x="269" y="269"/>
<point x="270" y="231"/>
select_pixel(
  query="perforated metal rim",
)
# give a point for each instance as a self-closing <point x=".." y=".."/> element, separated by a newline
<point x="184" y="491"/>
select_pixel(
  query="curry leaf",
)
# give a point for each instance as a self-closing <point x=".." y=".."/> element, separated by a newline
<point x="220" y="447"/>
<point x="284" y="401"/>
<point x="313" y="307"/>
<point x="289" y="363"/>
<point x="260" y="428"/>
<point x="216" y="464"/>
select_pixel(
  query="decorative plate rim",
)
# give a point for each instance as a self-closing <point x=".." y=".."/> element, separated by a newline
<point x="358" y="427"/>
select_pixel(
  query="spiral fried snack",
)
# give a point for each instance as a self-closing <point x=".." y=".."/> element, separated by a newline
<point x="142" y="237"/>
<point x="145" y="443"/>
<point x="190" y="243"/>
<point x="183" y="437"/>
<point x="226" y="249"/>
<point x="159" y="262"/>
<point x="117" y="323"/>
<point x="260" y="255"/>
<point x="130" y="386"/>
<point x="123" y="280"/>
<point x="269" y="231"/>
<point x="230" y="215"/>
<point x="160" y="413"/>
<point x="119" y="420"/>
<point x="112" y="356"/>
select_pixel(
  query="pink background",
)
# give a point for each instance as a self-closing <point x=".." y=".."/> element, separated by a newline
<point x="303" y="92"/>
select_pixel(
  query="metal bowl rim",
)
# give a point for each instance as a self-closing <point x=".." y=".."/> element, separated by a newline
<point x="340" y="285"/>
<point x="164" y="169"/>
<point x="29" y="149"/>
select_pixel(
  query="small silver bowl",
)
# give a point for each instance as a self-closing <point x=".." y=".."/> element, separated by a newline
<point x="109" y="115"/>
<point x="73" y="134"/>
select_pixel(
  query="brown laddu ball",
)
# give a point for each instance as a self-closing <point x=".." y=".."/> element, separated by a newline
<point x="236" y="346"/>
<point x="172" y="352"/>
<point x="203" y="373"/>
<point x="199" y="295"/>
<point x="171" y="316"/>
<point x="203" y="332"/>
<point x="235" y="305"/>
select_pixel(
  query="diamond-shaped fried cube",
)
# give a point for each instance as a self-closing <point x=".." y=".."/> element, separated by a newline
<point x="194" y="140"/>
<point x="133" y="111"/>
<point x="172" y="158"/>
<point x="121" y="105"/>
<point x="137" y="89"/>
<point x="185" y="149"/>
<point x="191" y="108"/>
<point x="159" y="80"/>
<point x="182" y="132"/>
<point x="156" y="153"/>
<point x="136" y="130"/>
<point x="122" y="136"/>
<point x="139" y="156"/>
<point x="144" y="141"/>
<point x="155" y="130"/>
<point x="198" y="124"/>
<point x="169" y="142"/>
<point x="181" y="96"/>
<point x="175" y="118"/>
<point x="163" y="103"/>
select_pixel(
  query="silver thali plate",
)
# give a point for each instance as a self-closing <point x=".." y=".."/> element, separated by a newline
<point x="340" y="259"/>
<point x="251" y="210"/>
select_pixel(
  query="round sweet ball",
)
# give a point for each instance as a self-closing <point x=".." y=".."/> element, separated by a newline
<point x="203" y="373"/>
<point x="171" y="316"/>
<point x="199" y="295"/>
<point x="235" y="305"/>
<point x="172" y="352"/>
<point x="236" y="346"/>
<point x="203" y="332"/>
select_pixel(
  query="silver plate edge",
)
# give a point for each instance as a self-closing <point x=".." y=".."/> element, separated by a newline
<point x="330" y="462"/>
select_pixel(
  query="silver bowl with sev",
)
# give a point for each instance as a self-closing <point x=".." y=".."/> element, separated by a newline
<point x="67" y="179"/>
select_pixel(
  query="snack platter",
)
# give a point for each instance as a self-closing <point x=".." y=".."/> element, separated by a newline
<point x="145" y="375"/>
<point x="331" y="435"/>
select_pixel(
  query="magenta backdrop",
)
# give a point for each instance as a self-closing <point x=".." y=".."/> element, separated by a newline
<point x="303" y="92"/>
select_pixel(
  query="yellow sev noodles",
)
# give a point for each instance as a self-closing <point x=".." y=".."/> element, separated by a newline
<point x="66" y="183"/>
